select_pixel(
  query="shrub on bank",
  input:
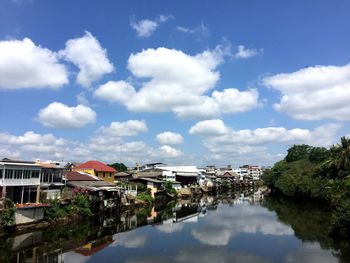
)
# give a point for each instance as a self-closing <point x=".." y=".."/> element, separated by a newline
<point x="320" y="174"/>
<point x="145" y="197"/>
<point x="7" y="216"/>
<point x="80" y="205"/>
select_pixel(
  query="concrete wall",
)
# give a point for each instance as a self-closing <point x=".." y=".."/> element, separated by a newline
<point x="28" y="215"/>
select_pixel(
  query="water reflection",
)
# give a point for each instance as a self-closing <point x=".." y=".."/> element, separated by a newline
<point x="235" y="227"/>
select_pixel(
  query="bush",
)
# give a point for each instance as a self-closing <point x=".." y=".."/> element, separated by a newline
<point x="145" y="197"/>
<point x="79" y="205"/>
<point x="169" y="188"/>
<point x="55" y="211"/>
<point x="7" y="216"/>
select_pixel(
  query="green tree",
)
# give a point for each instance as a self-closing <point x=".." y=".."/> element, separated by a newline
<point x="298" y="152"/>
<point x="120" y="167"/>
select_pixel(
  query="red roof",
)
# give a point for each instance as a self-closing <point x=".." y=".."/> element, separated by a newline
<point x="97" y="166"/>
<point x="76" y="176"/>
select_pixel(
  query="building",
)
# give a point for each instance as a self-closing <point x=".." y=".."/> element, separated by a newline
<point x="122" y="177"/>
<point x="186" y="175"/>
<point x="255" y="172"/>
<point x="20" y="181"/>
<point x="51" y="181"/>
<point x="98" y="169"/>
<point x="103" y="195"/>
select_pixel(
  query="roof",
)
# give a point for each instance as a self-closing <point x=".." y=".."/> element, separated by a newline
<point x="90" y="185"/>
<point x="79" y="176"/>
<point x="122" y="174"/>
<point x="151" y="180"/>
<point x="97" y="166"/>
<point x="148" y="174"/>
<point x="180" y="169"/>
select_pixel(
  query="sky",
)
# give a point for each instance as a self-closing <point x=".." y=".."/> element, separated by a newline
<point x="180" y="82"/>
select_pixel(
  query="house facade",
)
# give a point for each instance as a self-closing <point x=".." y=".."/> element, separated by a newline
<point x="98" y="169"/>
<point x="186" y="175"/>
<point x="51" y="181"/>
<point x="20" y="181"/>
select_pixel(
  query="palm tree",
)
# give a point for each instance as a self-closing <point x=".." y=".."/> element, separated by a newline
<point x="344" y="153"/>
<point x="338" y="164"/>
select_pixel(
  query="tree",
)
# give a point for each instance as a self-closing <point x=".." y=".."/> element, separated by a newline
<point x="298" y="152"/>
<point x="319" y="154"/>
<point x="338" y="164"/>
<point x="120" y="167"/>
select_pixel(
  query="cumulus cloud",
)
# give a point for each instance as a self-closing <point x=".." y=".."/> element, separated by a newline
<point x="169" y="138"/>
<point x="209" y="127"/>
<point x="169" y="152"/>
<point x="178" y="83"/>
<point x="124" y="129"/>
<point x="244" y="52"/>
<point x="224" y="142"/>
<point x="314" y="93"/>
<point x="32" y="145"/>
<point x="146" y="27"/>
<point x="59" y="115"/>
<point x="115" y="91"/>
<point x="26" y="65"/>
<point x="88" y="55"/>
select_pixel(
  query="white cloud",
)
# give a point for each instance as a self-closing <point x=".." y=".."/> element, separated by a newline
<point x="146" y="27"/>
<point x="178" y="83"/>
<point x="201" y="29"/>
<point x="314" y="93"/>
<point x="209" y="127"/>
<point x="115" y="91"/>
<point x="169" y="138"/>
<point x="225" y="143"/>
<point x="124" y="129"/>
<point x="244" y="52"/>
<point x="58" y="115"/>
<point x="25" y="65"/>
<point x="167" y="151"/>
<point x="88" y="55"/>
<point x="31" y="146"/>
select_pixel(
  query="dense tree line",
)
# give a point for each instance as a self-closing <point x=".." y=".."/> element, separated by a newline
<point x="317" y="173"/>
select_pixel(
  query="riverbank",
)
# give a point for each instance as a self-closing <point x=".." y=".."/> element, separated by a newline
<point x="234" y="226"/>
<point x="319" y="174"/>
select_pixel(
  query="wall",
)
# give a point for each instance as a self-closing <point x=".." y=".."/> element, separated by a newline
<point x="28" y="215"/>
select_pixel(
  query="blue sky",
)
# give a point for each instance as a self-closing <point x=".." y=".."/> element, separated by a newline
<point x="183" y="82"/>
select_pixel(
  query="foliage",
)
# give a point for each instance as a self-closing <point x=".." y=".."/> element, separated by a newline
<point x="169" y="188"/>
<point x="141" y="188"/>
<point x="120" y="167"/>
<point x="317" y="173"/>
<point x="80" y="205"/>
<point x="145" y="197"/>
<point x="7" y="216"/>
<point x="298" y="152"/>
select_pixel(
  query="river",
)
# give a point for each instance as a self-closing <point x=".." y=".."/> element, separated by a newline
<point x="236" y="227"/>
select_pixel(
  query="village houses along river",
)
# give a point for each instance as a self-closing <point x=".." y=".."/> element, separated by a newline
<point x="235" y="227"/>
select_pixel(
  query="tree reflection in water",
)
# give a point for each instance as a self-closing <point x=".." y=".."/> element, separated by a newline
<point x="234" y="227"/>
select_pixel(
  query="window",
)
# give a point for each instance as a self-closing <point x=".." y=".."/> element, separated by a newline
<point x="1" y="172"/>
<point x="8" y="174"/>
<point x="26" y="174"/>
<point x="17" y="174"/>
<point x="35" y="174"/>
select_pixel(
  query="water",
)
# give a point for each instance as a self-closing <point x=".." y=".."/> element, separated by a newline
<point x="240" y="227"/>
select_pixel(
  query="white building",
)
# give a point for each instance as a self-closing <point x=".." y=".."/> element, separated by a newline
<point x="20" y="181"/>
<point x="184" y="174"/>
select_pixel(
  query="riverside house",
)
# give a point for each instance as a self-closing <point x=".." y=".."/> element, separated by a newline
<point x="98" y="169"/>
<point x="51" y="182"/>
<point x="20" y="181"/>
